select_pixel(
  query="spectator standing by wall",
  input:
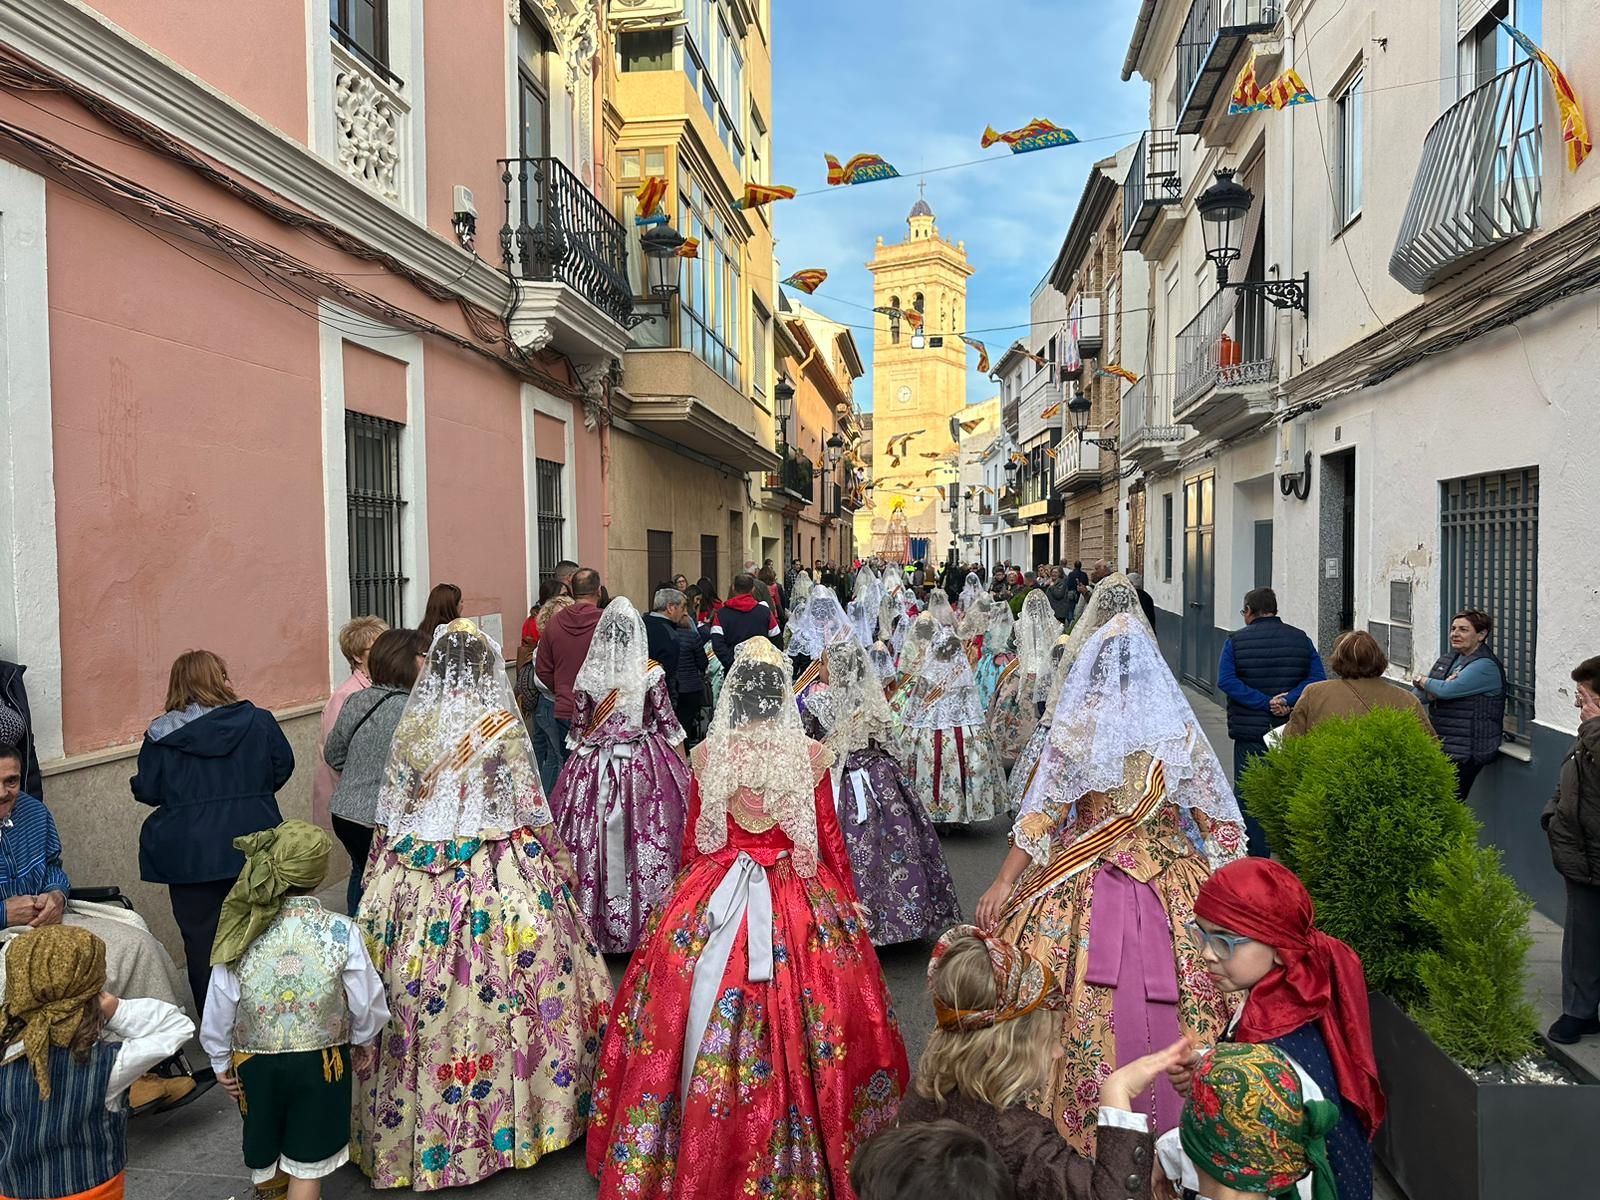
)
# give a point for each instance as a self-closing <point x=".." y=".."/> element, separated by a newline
<point x="1466" y="691"/>
<point x="355" y="642"/>
<point x="444" y="606"/>
<point x="565" y="644"/>
<point x="1572" y="822"/>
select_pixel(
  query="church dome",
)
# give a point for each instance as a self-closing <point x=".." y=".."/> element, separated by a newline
<point x="920" y="209"/>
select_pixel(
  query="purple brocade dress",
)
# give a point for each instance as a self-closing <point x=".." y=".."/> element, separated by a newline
<point x="620" y="804"/>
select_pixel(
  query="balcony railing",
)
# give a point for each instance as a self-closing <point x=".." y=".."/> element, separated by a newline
<point x="1231" y="344"/>
<point x="1040" y="393"/>
<point x="1085" y="330"/>
<point x="795" y="477"/>
<point x="1147" y="414"/>
<point x="1479" y="182"/>
<point x="1212" y="35"/>
<point x="557" y="231"/>
<point x="1154" y="180"/>
<point x="1010" y="500"/>
<point x="1077" y="464"/>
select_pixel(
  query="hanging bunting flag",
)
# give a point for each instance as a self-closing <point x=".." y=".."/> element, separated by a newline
<point x="650" y="195"/>
<point x="1119" y="371"/>
<point x="863" y="168"/>
<point x="1250" y="96"/>
<point x="1574" y="129"/>
<point x="1019" y="458"/>
<point x="1038" y="360"/>
<point x="1050" y="453"/>
<point x="758" y="194"/>
<point x="983" y="352"/>
<point x="1037" y="134"/>
<point x="690" y="248"/>
<point x="913" y="318"/>
<point x="1051" y="413"/>
<point x="931" y="454"/>
<point x="808" y="280"/>
<point x="969" y="426"/>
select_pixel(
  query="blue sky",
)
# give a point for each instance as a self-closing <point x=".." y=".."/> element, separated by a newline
<point x="917" y="83"/>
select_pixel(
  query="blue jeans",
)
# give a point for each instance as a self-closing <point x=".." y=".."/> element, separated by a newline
<point x="1243" y="751"/>
<point x="549" y="742"/>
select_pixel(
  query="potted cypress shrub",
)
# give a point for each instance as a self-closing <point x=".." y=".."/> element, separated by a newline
<point x="1364" y="811"/>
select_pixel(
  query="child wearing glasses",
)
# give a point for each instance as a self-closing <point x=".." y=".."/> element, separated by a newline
<point x="1304" y="992"/>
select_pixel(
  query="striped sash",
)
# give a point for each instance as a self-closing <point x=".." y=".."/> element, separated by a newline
<point x="1088" y="849"/>
<point x="1005" y="673"/>
<point x="807" y="677"/>
<point x="608" y="704"/>
<point x="468" y="746"/>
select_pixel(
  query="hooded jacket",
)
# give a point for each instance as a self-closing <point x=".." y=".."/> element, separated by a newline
<point x="1572" y="818"/>
<point x="739" y="620"/>
<point x="15" y="694"/>
<point x="211" y="777"/>
<point x="563" y="645"/>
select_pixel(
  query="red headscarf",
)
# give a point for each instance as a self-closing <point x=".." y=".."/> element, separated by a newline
<point x="1320" y="978"/>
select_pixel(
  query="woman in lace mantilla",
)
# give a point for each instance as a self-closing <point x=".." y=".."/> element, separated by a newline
<point x="1014" y="715"/>
<point x="944" y="745"/>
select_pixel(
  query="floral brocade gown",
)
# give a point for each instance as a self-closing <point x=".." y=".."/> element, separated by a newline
<point x="619" y="806"/>
<point x="1013" y="714"/>
<point x="498" y="999"/>
<point x="1056" y="928"/>
<point x="987" y="675"/>
<point x="792" y="1075"/>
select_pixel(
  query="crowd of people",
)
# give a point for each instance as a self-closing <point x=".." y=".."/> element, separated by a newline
<point x="746" y="796"/>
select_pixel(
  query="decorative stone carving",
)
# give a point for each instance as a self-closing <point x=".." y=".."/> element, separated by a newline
<point x="367" y="125"/>
<point x="596" y="378"/>
<point x="575" y="25"/>
<point x="514" y="11"/>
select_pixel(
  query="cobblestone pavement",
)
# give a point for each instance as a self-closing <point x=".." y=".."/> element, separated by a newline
<point x="193" y="1154"/>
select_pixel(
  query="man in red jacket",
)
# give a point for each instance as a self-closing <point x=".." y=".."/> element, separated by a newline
<point x="564" y="644"/>
<point x="741" y="618"/>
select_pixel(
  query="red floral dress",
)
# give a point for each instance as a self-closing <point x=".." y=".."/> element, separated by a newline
<point x="792" y="1074"/>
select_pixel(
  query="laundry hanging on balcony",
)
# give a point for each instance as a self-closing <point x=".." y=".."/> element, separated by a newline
<point x="807" y="281"/>
<point x="650" y="195"/>
<point x="1574" y="129"/>
<point x="758" y="194"/>
<point x="1249" y="96"/>
<point x="863" y="168"/>
<point x="1037" y="134"/>
<point x="983" y="355"/>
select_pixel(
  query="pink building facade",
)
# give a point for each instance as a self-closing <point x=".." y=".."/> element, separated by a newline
<point x="255" y="380"/>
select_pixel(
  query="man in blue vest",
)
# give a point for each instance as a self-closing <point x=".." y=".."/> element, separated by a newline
<point x="1265" y="666"/>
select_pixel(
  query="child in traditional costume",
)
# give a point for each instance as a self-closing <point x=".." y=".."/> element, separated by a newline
<point x="620" y="800"/>
<point x="291" y="991"/>
<point x="1254" y="1127"/>
<point x="68" y="1054"/>
<point x="1304" y="993"/>
<point x="996" y="652"/>
<point x="497" y="988"/>
<point x="899" y="867"/>
<point x="752" y="1048"/>
<point x="1014" y="713"/>
<point x="1128" y="814"/>
<point x="994" y="1043"/>
<point x="944" y="745"/>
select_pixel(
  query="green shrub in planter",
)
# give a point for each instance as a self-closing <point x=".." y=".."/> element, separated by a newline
<point x="1473" y="985"/>
<point x="1362" y="808"/>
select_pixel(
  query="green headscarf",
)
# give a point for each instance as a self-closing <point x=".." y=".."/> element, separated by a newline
<point x="1248" y="1126"/>
<point x="292" y="857"/>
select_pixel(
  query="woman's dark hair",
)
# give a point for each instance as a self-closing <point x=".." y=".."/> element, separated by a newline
<point x="444" y="606"/>
<point x="551" y="587"/>
<point x="1477" y="618"/>
<point x="392" y="661"/>
<point x="928" y="1160"/>
<point x="760" y="695"/>
<point x="707" y="594"/>
<point x="1357" y="655"/>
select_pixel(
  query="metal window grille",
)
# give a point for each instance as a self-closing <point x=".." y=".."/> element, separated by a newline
<point x="374" y="504"/>
<point x="1489" y="544"/>
<point x="552" y="520"/>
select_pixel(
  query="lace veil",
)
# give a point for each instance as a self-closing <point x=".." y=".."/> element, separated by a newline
<point x="1120" y="700"/>
<point x="821" y="624"/>
<point x="616" y="661"/>
<point x="939" y="607"/>
<point x="1112" y="595"/>
<point x="857" y="711"/>
<point x="1036" y="631"/>
<point x="918" y="641"/>
<point x="1002" y="625"/>
<point x="971" y="589"/>
<point x="756" y="742"/>
<point x="976" y="616"/>
<point x="461" y="765"/>
<point x="946" y="695"/>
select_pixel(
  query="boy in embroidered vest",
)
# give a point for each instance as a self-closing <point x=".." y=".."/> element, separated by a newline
<point x="63" y="1088"/>
<point x="292" y="989"/>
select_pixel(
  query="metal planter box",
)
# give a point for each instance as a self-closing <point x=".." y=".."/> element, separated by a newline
<point x="1449" y="1137"/>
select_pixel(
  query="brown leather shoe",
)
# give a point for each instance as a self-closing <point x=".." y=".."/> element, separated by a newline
<point x="155" y="1093"/>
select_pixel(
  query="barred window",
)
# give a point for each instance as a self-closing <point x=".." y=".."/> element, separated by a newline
<point x="1489" y="559"/>
<point x="552" y="520"/>
<point x="374" y="502"/>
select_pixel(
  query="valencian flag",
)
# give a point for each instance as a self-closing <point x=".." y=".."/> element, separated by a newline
<point x="690" y="248"/>
<point x="913" y="318"/>
<point x="650" y="194"/>
<point x="1119" y="371"/>
<point x="983" y="352"/>
<point x="1037" y="134"/>
<point x="863" y="168"/>
<point x="808" y="280"/>
<point x="1574" y="130"/>
<point x="1249" y="96"/>
<point x="1051" y="413"/>
<point x="1050" y="452"/>
<point x="757" y="194"/>
<point x="1038" y="360"/>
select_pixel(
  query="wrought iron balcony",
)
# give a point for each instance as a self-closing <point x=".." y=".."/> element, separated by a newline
<point x="1149" y="431"/>
<point x="1155" y="180"/>
<point x="1228" y="349"/>
<point x="557" y="231"/>
<point x="1213" y="34"/>
<point x="1479" y="182"/>
<point x="795" y="479"/>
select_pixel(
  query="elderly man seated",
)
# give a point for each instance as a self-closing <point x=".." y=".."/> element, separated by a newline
<point x="34" y="890"/>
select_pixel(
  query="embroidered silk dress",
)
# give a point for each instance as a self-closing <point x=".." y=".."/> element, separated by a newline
<point x="944" y="747"/>
<point x="1014" y="714"/>
<point x="621" y="797"/>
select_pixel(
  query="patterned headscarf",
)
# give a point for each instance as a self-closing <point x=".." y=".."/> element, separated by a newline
<point x="291" y="857"/>
<point x="1248" y="1126"/>
<point x="51" y="975"/>
<point x="1021" y="982"/>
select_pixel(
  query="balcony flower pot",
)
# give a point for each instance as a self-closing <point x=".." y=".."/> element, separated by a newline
<point x="1450" y="1137"/>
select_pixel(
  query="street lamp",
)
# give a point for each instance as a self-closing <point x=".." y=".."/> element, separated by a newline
<point x="1078" y="410"/>
<point x="1222" y="208"/>
<point x="835" y="446"/>
<point x="661" y="244"/>
<point x="783" y="408"/>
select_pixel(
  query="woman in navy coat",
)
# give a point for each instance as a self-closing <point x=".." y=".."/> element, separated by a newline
<point x="210" y="766"/>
